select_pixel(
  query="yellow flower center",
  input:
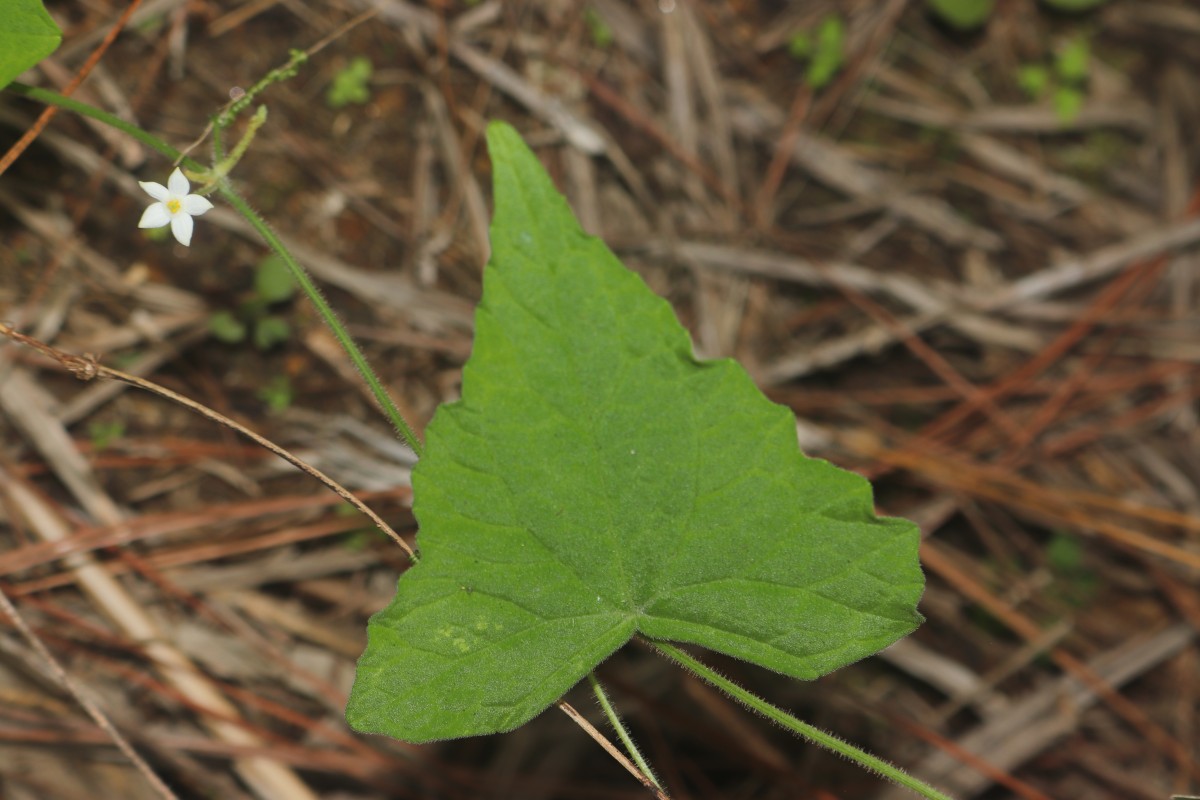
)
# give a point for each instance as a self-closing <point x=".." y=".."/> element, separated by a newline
<point x="174" y="206"/>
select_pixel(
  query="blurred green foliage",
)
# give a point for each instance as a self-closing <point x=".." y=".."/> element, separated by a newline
<point x="968" y="15"/>
<point x="350" y="84"/>
<point x="824" y="50"/>
<point x="103" y="434"/>
<point x="273" y="284"/>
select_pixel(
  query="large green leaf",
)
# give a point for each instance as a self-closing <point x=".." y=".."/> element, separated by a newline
<point x="27" y="35"/>
<point x="596" y="480"/>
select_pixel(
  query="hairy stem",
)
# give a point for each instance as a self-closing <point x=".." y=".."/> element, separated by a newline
<point x="327" y="314"/>
<point x="803" y="729"/>
<point x="615" y="720"/>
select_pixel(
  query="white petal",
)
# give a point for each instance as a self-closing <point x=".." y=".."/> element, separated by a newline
<point x="155" y="216"/>
<point x="196" y="205"/>
<point x="155" y="190"/>
<point x="181" y="226"/>
<point x="177" y="184"/>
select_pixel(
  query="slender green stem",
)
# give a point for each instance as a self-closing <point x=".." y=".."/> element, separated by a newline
<point x="218" y="146"/>
<point x="615" y="720"/>
<point x="327" y="313"/>
<point x="55" y="99"/>
<point x="296" y="58"/>
<point x="803" y="729"/>
<point x="339" y="331"/>
<point x="225" y="164"/>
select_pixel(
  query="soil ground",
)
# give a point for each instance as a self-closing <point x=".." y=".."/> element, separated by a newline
<point x="968" y="263"/>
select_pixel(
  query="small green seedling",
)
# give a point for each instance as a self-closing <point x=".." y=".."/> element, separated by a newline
<point x="1073" y="6"/>
<point x="1076" y="583"/>
<point x="273" y="285"/>
<point x="963" y="15"/>
<point x="969" y="15"/>
<point x="351" y="84"/>
<point x="1066" y="80"/>
<point x="277" y="393"/>
<point x="1071" y="65"/>
<point x="226" y="327"/>
<point x="602" y="34"/>
<point x="103" y="434"/>
<point x="825" y="51"/>
<point x="1034" y="80"/>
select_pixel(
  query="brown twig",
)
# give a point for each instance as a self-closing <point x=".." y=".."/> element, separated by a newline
<point x="93" y="710"/>
<point x="87" y="367"/>
<point x="611" y="749"/>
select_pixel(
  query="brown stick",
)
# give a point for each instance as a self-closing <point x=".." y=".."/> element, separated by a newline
<point x="86" y="368"/>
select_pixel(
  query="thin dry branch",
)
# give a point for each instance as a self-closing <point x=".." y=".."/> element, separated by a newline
<point x="87" y="368"/>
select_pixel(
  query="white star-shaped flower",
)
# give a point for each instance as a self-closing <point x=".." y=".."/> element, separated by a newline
<point x="174" y="207"/>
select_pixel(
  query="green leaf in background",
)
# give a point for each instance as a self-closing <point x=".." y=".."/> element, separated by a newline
<point x="1068" y="102"/>
<point x="277" y="394"/>
<point x="965" y="15"/>
<point x="829" y="55"/>
<point x="27" y="35"/>
<point x="1034" y="80"/>
<point x="602" y="34"/>
<point x="104" y="434"/>
<point x="1074" y="6"/>
<point x="273" y="281"/>
<point x="824" y="51"/>
<point x="351" y="84"/>
<point x="1072" y="61"/>
<point x="800" y="45"/>
<point x="270" y="331"/>
<point x="596" y="480"/>
<point x="227" y="327"/>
